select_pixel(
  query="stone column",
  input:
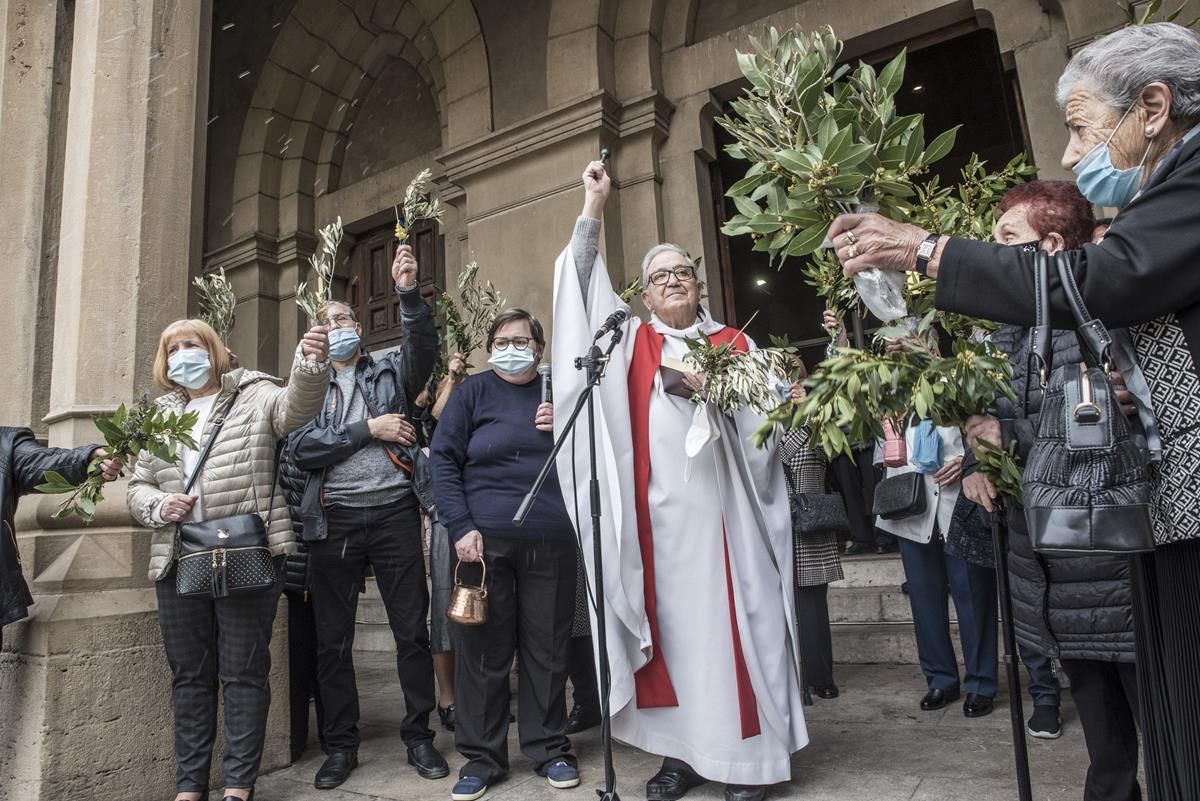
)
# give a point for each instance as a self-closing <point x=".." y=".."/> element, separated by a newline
<point x="86" y="689"/>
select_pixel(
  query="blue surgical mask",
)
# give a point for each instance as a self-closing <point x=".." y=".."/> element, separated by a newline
<point x="343" y="344"/>
<point x="512" y="362"/>
<point x="1101" y="182"/>
<point x="189" y="368"/>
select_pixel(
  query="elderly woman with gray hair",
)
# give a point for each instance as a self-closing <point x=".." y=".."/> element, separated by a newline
<point x="695" y="526"/>
<point x="1132" y="105"/>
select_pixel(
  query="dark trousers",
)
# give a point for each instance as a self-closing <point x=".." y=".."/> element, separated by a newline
<point x="389" y="538"/>
<point x="1043" y="684"/>
<point x="581" y="668"/>
<point x="816" y="640"/>
<point x="226" y="641"/>
<point x="531" y="598"/>
<point x="854" y="479"/>
<point x="1106" y="698"/>
<point x="302" y="671"/>
<point x="930" y="571"/>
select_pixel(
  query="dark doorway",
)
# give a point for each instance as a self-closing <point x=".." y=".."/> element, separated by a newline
<point x="371" y="290"/>
<point x="961" y="80"/>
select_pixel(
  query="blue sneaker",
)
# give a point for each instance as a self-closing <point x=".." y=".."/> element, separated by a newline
<point x="470" y="788"/>
<point x="562" y="775"/>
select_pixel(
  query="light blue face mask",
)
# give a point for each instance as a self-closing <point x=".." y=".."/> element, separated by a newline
<point x="1101" y="182"/>
<point x="343" y="344"/>
<point x="512" y="362"/>
<point x="189" y="368"/>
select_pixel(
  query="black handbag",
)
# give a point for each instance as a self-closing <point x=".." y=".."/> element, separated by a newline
<point x="226" y="556"/>
<point x="819" y="514"/>
<point x="1087" y="486"/>
<point x="900" y="496"/>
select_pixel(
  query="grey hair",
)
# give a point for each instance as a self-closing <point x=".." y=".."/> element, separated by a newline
<point x="657" y="250"/>
<point x="1118" y="66"/>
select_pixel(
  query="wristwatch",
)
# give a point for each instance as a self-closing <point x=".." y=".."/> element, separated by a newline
<point x="925" y="253"/>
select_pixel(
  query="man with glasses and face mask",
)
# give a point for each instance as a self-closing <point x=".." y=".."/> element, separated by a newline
<point x="358" y="508"/>
<point x="696" y="531"/>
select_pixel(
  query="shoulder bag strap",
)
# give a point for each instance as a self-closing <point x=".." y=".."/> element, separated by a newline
<point x="1093" y="336"/>
<point x="212" y="437"/>
<point x="1040" y="334"/>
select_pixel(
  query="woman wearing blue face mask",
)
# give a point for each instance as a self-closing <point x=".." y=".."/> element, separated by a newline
<point x="225" y="640"/>
<point x="1132" y="106"/>
<point x="491" y="441"/>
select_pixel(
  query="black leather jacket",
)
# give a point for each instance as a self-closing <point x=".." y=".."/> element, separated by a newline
<point x="389" y="385"/>
<point x="22" y="463"/>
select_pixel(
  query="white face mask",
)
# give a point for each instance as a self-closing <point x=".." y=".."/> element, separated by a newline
<point x="511" y="361"/>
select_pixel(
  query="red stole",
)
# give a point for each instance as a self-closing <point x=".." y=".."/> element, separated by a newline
<point x="653" y="681"/>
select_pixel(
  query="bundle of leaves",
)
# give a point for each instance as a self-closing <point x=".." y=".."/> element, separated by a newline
<point x="418" y="205"/>
<point x="217" y="302"/>
<point x="127" y="433"/>
<point x="822" y="139"/>
<point x="735" y="379"/>
<point x="466" y="322"/>
<point x="1149" y="13"/>
<point x="324" y="263"/>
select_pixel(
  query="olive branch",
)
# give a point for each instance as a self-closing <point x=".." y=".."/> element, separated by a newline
<point x="324" y="262"/>
<point x="467" y="321"/>
<point x="418" y="205"/>
<point x="217" y="302"/>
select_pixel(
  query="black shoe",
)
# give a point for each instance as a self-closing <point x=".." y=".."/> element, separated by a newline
<point x="230" y="797"/>
<point x="1046" y="722"/>
<point x="827" y="692"/>
<point x="446" y="713"/>
<point x="857" y="549"/>
<point x="337" y="769"/>
<point x="887" y="547"/>
<point x="428" y="762"/>
<point x="582" y="718"/>
<point x="745" y="793"/>
<point x="976" y="706"/>
<point x="671" y="784"/>
<point x="939" y="699"/>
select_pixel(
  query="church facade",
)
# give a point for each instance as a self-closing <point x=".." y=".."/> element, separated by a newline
<point x="143" y="142"/>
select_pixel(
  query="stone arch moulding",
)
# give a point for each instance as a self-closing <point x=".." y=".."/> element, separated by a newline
<point x="325" y="59"/>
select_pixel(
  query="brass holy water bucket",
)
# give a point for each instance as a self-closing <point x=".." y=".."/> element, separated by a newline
<point x="468" y="605"/>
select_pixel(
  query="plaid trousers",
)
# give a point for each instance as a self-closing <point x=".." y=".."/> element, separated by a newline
<point x="207" y="641"/>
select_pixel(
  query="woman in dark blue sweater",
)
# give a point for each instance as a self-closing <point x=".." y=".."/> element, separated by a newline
<point x="490" y="444"/>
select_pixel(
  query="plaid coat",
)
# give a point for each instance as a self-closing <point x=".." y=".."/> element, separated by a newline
<point x="815" y="555"/>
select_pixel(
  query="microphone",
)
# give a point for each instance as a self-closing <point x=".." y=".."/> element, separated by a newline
<point x="613" y="322"/>
<point x="547" y="390"/>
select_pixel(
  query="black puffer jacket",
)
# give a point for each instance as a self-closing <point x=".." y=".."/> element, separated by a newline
<point x="1071" y="607"/>
<point x="22" y="463"/>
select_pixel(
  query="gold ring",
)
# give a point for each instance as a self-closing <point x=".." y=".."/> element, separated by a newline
<point x="852" y="252"/>
<point x="851" y="238"/>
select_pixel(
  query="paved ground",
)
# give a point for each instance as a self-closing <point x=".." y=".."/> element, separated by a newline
<point x="872" y="744"/>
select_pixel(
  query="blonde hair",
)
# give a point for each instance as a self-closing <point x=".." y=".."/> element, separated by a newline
<point x="218" y="354"/>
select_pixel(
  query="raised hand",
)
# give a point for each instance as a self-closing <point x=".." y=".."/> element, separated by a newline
<point x="404" y="267"/>
<point x="315" y="344"/>
<point x="596" y="185"/>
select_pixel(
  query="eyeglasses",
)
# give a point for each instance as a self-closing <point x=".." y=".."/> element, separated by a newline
<point x="520" y="343"/>
<point x="343" y="320"/>
<point x="683" y="273"/>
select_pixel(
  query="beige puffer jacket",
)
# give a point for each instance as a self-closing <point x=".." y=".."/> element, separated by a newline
<point x="239" y="474"/>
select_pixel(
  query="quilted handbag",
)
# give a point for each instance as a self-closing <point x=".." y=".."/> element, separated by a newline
<point x="225" y="556"/>
<point x="1087" y="486"/>
<point x="817" y="514"/>
<point x="900" y="496"/>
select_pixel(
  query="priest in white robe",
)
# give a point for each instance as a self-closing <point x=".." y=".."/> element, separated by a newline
<point x="696" y="532"/>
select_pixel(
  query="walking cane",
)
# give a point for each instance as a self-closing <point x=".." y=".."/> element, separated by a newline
<point x="1020" y="747"/>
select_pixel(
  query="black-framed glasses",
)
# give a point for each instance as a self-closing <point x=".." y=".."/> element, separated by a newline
<point x="520" y="343"/>
<point x="683" y="273"/>
<point x="343" y="320"/>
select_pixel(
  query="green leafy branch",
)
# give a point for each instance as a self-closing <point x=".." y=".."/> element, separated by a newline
<point x="735" y="379"/>
<point x="468" y="320"/>
<point x="127" y="433"/>
<point x="324" y="262"/>
<point x="217" y="302"/>
<point x="418" y="205"/>
<point x="1150" y="12"/>
<point x="1002" y="467"/>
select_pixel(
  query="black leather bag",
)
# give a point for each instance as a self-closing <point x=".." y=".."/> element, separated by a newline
<point x="818" y="514"/>
<point x="900" y="496"/>
<point x="226" y="556"/>
<point x="1087" y="487"/>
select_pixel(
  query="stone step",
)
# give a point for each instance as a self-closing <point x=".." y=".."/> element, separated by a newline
<point x="879" y="643"/>
<point x="871" y="605"/>
<point x="871" y="571"/>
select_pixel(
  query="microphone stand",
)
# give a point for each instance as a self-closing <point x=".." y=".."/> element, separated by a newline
<point x="594" y="363"/>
